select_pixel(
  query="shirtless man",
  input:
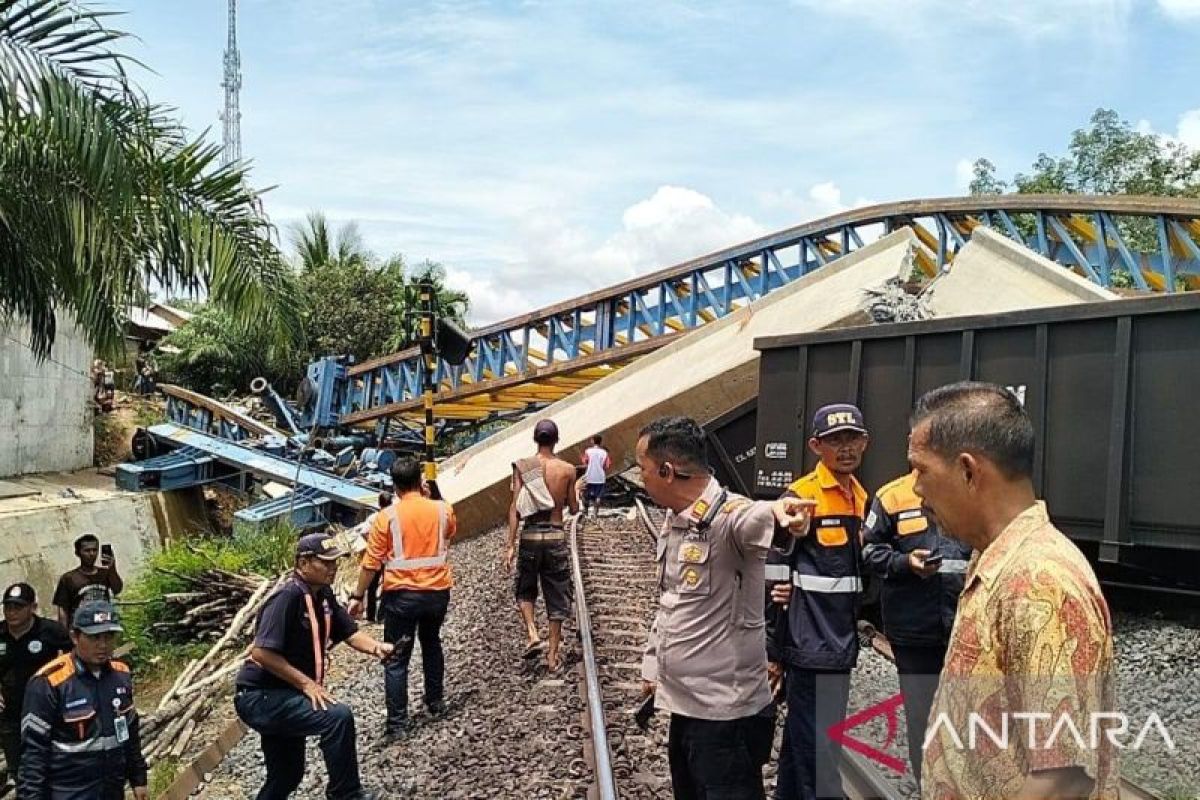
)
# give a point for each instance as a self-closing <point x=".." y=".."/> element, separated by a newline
<point x="542" y="486"/>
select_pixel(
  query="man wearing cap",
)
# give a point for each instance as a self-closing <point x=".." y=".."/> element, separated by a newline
<point x="818" y="642"/>
<point x="79" y="732"/>
<point x="27" y="643"/>
<point x="543" y="485"/>
<point x="280" y="688"/>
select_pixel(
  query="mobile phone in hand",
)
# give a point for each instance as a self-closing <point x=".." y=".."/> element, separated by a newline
<point x="644" y="712"/>
<point x="106" y="554"/>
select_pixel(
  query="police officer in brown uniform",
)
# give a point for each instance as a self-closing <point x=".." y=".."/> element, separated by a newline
<point x="706" y="657"/>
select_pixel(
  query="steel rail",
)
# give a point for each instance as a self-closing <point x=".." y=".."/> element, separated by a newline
<point x="602" y="761"/>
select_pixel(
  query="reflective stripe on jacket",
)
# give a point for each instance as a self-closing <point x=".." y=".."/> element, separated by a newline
<point x="409" y="541"/>
<point x="823" y="568"/>
<point x="916" y="611"/>
<point x="73" y="747"/>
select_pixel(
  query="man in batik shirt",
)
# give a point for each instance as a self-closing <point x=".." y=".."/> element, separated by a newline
<point x="1029" y="672"/>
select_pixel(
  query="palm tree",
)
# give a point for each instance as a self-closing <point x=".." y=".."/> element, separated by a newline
<point x="316" y="248"/>
<point x="103" y="194"/>
<point x="451" y="304"/>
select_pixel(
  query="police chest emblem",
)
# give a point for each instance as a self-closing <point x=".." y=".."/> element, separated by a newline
<point x="116" y="702"/>
<point x="691" y="578"/>
<point x="692" y="554"/>
<point x="35" y="646"/>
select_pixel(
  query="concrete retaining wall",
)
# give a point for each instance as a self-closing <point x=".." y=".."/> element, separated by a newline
<point x="45" y="409"/>
<point x="36" y="545"/>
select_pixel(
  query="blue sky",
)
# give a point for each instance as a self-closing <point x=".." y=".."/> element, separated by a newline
<point x="543" y="149"/>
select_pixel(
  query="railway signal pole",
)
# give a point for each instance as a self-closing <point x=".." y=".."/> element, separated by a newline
<point x="439" y="339"/>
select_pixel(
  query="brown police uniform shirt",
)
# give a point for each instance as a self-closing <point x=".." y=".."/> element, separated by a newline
<point x="707" y="650"/>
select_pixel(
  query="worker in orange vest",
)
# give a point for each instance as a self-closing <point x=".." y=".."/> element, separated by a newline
<point x="409" y="541"/>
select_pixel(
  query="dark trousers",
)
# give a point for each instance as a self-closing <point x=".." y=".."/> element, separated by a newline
<point x="10" y="741"/>
<point x="918" y="668"/>
<point x="719" y="759"/>
<point x="373" y="598"/>
<point x="405" y="613"/>
<point x="808" y="759"/>
<point x="283" y="718"/>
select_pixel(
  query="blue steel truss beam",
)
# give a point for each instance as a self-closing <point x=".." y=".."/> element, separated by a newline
<point x="197" y="458"/>
<point x="652" y="306"/>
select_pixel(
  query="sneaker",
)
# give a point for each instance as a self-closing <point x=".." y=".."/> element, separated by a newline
<point x="437" y="708"/>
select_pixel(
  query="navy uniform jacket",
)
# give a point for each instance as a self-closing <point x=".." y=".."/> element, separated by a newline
<point x="79" y="734"/>
<point x="916" y="611"/>
<point x="819" y="629"/>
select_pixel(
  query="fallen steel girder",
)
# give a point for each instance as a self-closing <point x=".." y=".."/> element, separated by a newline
<point x="196" y="458"/>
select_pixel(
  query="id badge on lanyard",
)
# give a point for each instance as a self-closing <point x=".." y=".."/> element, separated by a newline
<point x="121" y="727"/>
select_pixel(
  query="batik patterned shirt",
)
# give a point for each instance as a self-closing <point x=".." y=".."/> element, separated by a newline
<point x="1031" y="655"/>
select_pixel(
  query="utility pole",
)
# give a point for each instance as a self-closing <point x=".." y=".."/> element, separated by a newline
<point x="429" y="362"/>
<point x="232" y="83"/>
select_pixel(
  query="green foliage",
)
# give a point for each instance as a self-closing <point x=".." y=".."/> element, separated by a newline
<point x="1107" y="157"/>
<point x="265" y="552"/>
<point x="102" y="193"/>
<point x="351" y="302"/>
<point x="162" y="775"/>
<point x="218" y="354"/>
<point x="356" y="304"/>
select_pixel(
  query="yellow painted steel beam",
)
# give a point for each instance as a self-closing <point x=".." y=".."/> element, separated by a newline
<point x="1080" y="226"/>
<point x="925" y="261"/>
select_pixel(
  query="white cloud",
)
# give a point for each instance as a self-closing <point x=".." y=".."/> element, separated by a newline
<point x="1180" y="9"/>
<point x="1028" y="19"/>
<point x="964" y="173"/>
<point x="561" y="259"/>
<point x="821" y="200"/>
<point x="490" y="302"/>
<point x="1187" y="129"/>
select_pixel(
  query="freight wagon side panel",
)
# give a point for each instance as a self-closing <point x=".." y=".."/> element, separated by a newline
<point x="1107" y="385"/>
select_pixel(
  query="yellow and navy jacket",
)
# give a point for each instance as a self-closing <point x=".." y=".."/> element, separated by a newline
<point x="821" y="629"/>
<point x="916" y="611"/>
<point x="79" y="733"/>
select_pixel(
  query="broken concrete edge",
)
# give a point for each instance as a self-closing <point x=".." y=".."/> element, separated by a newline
<point x="700" y="375"/>
<point x="188" y="780"/>
<point x="1021" y="257"/>
<point x="524" y="427"/>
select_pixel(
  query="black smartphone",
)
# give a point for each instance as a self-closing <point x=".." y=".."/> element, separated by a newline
<point x="934" y="559"/>
<point x="644" y="712"/>
<point x="106" y="553"/>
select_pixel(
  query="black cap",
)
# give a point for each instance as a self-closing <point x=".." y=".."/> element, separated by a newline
<point x="321" y="545"/>
<point x="545" y="430"/>
<point x="837" y="417"/>
<point x="20" y="594"/>
<point x="97" y="616"/>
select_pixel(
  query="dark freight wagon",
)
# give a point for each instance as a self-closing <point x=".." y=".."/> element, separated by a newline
<point x="1113" y="389"/>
